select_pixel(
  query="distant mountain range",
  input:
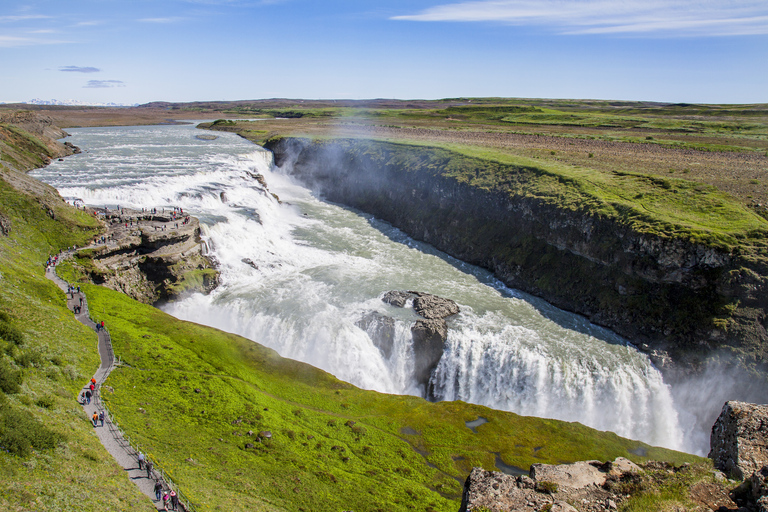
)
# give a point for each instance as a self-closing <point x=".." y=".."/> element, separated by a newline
<point x="76" y="103"/>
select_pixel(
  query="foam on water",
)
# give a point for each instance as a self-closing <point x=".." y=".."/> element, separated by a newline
<point x="320" y="268"/>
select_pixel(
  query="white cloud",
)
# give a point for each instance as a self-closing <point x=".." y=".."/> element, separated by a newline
<point x="657" y="17"/>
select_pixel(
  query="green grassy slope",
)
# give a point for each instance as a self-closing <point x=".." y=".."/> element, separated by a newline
<point x="190" y="394"/>
<point x="52" y="460"/>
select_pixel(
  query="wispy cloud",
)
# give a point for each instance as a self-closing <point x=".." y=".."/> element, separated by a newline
<point x="23" y="17"/>
<point x="161" y="20"/>
<point x="14" y="41"/>
<point x="103" y="84"/>
<point x="91" y="23"/>
<point x="639" y="17"/>
<point x="79" y="69"/>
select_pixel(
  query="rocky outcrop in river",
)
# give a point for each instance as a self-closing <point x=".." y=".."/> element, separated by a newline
<point x="667" y="294"/>
<point x="429" y="333"/>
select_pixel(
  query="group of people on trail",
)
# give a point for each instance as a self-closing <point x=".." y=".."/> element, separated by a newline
<point x="85" y="397"/>
<point x="97" y="417"/>
<point x="52" y="261"/>
<point x="99" y="326"/>
<point x="168" y="499"/>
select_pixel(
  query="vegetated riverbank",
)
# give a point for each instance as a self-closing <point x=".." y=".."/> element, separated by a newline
<point x="675" y="266"/>
<point x="198" y="399"/>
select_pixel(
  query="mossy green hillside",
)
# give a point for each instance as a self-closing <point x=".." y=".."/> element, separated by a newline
<point x="20" y="150"/>
<point x="53" y="460"/>
<point x="189" y="395"/>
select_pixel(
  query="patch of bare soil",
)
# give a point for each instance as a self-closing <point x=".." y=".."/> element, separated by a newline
<point x="712" y="497"/>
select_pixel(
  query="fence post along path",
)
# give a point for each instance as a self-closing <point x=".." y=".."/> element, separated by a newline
<point x="114" y="439"/>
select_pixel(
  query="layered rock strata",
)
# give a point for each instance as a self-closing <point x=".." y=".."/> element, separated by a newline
<point x="149" y="257"/>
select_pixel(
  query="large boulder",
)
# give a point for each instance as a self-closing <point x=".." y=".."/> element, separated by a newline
<point x="578" y="483"/>
<point x="576" y="475"/>
<point x="497" y="492"/>
<point x="739" y="440"/>
<point x="433" y="307"/>
<point x="397" y="298"/>
<point x="426" y="305"/>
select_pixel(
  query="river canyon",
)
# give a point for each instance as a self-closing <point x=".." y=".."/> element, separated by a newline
<point x="298" y="274"/>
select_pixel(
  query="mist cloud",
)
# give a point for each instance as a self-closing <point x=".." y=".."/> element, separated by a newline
<point x="634" y="17"/>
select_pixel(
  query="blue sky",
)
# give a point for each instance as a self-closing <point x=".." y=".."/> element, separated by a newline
<point x="137" y="51"/>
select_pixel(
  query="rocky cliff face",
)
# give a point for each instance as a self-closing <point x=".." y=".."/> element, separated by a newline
<point x="149" y="258"/>
<point x="666" y="294"/>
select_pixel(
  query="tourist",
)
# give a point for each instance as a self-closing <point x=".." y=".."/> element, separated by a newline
<point x="101" y="418"/>
<point x="174" y="500"/>
<point x="149" y="465"/>
<point x="88" y="396"/>
<point x="95" y="418"/>
<point x="158" y="489"/>
<point x="141" y="460"/>
<point x="166" y="500"/>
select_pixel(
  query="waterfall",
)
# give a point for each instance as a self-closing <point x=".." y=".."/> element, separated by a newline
<point x="301" y="276"/>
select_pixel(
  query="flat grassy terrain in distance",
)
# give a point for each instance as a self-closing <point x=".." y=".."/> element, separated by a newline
<point x="725" y="146"/>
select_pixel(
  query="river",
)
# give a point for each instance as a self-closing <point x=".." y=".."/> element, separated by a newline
<point x="298" y="274"/>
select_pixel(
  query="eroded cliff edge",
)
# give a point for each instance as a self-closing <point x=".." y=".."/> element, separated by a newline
<point x="151" y="257"/>
<point x="673" y="294"/>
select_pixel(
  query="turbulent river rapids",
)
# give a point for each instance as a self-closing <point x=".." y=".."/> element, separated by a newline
<point x="298" y="276"/>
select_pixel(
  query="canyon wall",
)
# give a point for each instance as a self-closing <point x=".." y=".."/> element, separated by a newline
<point x="670" y="295"/>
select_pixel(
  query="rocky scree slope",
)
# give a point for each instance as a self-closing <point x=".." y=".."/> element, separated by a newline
<point x="672" y="295"/>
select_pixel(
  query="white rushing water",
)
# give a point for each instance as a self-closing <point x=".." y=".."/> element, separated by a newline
<point x="319" y="268"/>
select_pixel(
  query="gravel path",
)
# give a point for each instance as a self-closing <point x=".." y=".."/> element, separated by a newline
<point x="109" y="435"/>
